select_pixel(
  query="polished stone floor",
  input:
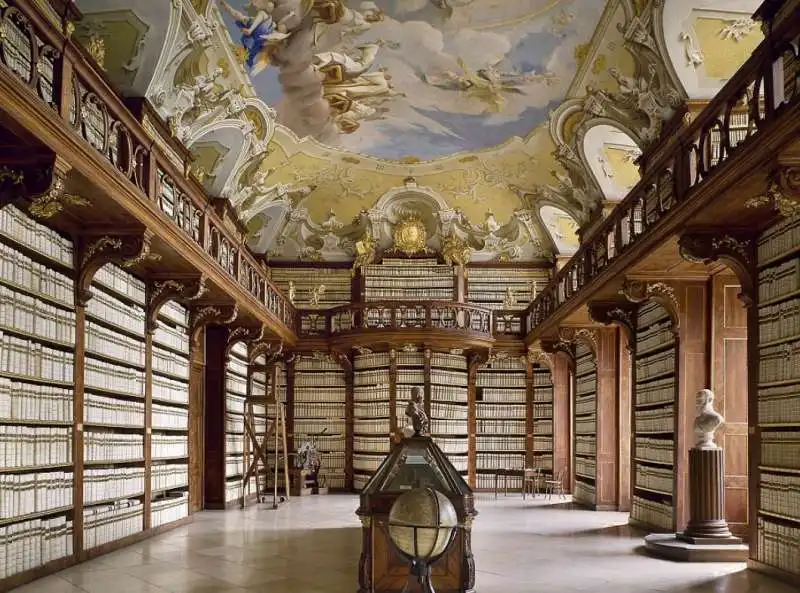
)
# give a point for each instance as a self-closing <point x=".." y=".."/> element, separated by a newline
<point x="312" y="545"/>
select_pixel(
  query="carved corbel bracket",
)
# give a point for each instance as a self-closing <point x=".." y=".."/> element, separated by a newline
<point x="245" y="333"/>
<point x="618" y="313"/>
<point x="737" y="251"/>
<point x="99" y="249"/>
<point x="48" y="202"/>
<point x="555" y="346"/>
<point x="782" y="192"/>
<point x="203" y="314"/>
<point x="271" y="350"/>
<point x="344" y="361"/>
<point x="184" y="289"/>
<point x="580" y="334"/>
<point x="537" y="356"/>
<point x="34" y="176"/>
<point x="637" y="291"/>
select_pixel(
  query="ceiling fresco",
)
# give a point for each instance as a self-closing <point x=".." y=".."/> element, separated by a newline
<point x="423" y="79"/>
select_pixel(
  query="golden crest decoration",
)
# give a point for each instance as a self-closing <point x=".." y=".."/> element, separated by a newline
<point x="456" y="250"/>
<point x="410" y="236"/>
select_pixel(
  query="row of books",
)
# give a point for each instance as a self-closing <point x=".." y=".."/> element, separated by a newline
<point x="780" y="238"/>
<point x="656" y="336"/>
<point x="105" y="307"/>
<point x="99" y="374"/>
<point x="453" y="445"/>
<point x="657" y="514"/>
<point x="169" y="363"/>
<point x="585" y="404"/>
<point x="654" y="450"/>
<point x="448" y="377"/>
<point x="29" y="358"/>
<point x="778" y="405"/>
<point x="377" y="409"/>
<point x="542" y="378"/>
<point x="305" y="426"/>
<point x="488" y="481"/>
<point x="515" y="380"/>
<point x="584" y="491"/>
<point x="448" y="411"/>
<point x="780" y="449"/>
<point x="169" y="446"/>
<point x="16" y="225"/>
<point x="101" y="484"/>
<point x="542" y="410"/>
<point x="375" y="360"/>
<point x="236" y="368"/>
<point x="371" y="444"/>
<point x="458" y="395"/>
<point x="366" y="463"/>
<point x="543" y="427"/>
<point x="586" y="467"/>
<point x="780" y="362"/>
<point x="319" y="380"/>
<point x="585" y="363"/>
<point x="112" y="446"/>
<point x="29" y="544"/>
<point x="780" y="494"/>
<point x="512" y="461"/>
<point x="36" y="317"/>
<point x="34" y="446"/>
<point x="27" y="401"/>
<point x="374" y="426"/>
<point x="497" y="427"/>
<point x="234" y="403"/>
<point x="654" y="420"/>
<point x="25" y="494"/>
<point x="172" y="337"/>
<point x="585" y="425"/>
<point x="235" y="384"/>
<point x="778" y="544"/>
<point x="448" y="361"/>
<point x="448" y="427"/>
<point x="505" y="363"/>
<point x="326" y="410"/>
<point x="655" y="364"/>
<point x="169" y="417"/>
<point x="98" y="409"/>
<point x="655" y="479"/>
<point x="107" y="342"/>
<point x="658" y="392"/>
<point x="169" y="475"/>
<point x="321" y="363"/>
<point x="234" y="444"/>
<point x="776" y="322"/>
<point x="399" y="291"/>
<point x="779" y="281"/>
<point x="176" y="313"/>
<point x="21" y="271"/>
<point x="104" y="524"/>
<point x="650" y="313"/>
<point x="371" y="377"/>
<point x="493" y="443"/>
<point x="410" y="376"/>
<point x="169" y="510"/>
<point x="585" y="445"/>
<point x="500" y="411"/>
<point x="489" y="395"/>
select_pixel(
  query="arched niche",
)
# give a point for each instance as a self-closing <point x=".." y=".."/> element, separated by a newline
<point x="708" y="40"/>
<point x="611" y="154"/>
<point x="217" y="152"/>
<point x="135" y="35"/>
<point x="562" y="229"/>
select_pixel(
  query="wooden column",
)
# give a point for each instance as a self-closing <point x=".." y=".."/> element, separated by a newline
<point x="624" y="416"/>
<point x="148" y="424"/>
<point x="607" y="360"/>
<point x="729" y="374"/>
<point x="529" y="398"/>
<point x="216" y="360"/>
<point x="289" y="404"/>
<point x="349" y="427"/>
<point x="427" y="385"/>
<point x="472" y="417"/>
<point x="693" y="375"/>
<point x="395" y="433"/>
<point x="562" y="413"/>
<point x="77" y="433"/>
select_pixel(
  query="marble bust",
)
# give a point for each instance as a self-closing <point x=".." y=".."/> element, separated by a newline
<point x="416" y="411"/>
<point x="707" y="421"/>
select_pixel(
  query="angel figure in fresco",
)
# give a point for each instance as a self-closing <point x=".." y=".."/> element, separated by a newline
<point x="485" y="85"/>
<point x="260" y="33"/>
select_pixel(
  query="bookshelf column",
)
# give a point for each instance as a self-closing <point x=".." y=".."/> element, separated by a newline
<point x="214" y="474"/>
<point x="562" y="425"/>
<point x="607" y="361"/>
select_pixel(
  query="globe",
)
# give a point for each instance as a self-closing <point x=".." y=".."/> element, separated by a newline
<point x="433" y="516"/>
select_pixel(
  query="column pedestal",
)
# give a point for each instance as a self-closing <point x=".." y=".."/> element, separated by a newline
<point x="706" y="537"/>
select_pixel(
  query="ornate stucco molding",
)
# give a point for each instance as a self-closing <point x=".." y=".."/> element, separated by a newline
<point x="637" y="291"/>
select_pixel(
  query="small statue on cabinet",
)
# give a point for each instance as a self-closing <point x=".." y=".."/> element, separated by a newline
<point x="510" y="301"/>
<point x="292" y="292"/>
<point x="416" y="411"/>
<point x="316" y="294"/>
<point x="707" y="422"/>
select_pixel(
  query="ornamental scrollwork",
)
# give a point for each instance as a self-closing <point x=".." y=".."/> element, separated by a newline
<point x="619" y="313"/>
<point x="782" y="193"/>
<point x="204" y="314"/>
<point x="271" y="350"/>
<point x="536" y="356"/>
<point x="637" y="291"/>
<point x="184" y="290"/>
<point x="53" y="200"/>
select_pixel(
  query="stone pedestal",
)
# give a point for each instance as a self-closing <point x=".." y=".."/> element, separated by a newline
<point x="706" y="537"/>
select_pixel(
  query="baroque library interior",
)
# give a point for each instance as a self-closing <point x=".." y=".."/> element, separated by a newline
<point x="543" y="334"/>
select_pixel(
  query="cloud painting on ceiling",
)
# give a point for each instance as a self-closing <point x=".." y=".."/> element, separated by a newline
<point x="417" y="79"/>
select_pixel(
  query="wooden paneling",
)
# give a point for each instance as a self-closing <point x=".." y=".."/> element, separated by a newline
<point x="606" y="481"/>
<point x="214" y="476"/>
<point x="562" y="426"/>
<point x="729" y="381"/>
<point x="624" y="405"/>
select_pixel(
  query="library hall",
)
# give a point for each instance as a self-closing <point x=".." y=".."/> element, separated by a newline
<point x="399" y="296"/>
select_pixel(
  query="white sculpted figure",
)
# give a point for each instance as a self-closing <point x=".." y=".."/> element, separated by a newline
<point x="707" y="422"/>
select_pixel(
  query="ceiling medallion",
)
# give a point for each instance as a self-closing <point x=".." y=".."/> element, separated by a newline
<point x="410" y="236"/>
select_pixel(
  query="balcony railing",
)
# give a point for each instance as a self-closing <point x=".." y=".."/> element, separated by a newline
<point x="397" y="316"/>
<point x="71" y="85"/>
<point x="765" y="87"/>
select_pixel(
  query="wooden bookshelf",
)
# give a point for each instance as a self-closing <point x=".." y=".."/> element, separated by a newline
<point x="778" y="405"/>
<point x="501" y="402"/>
<point x="409" y="279"/>
<point x="654" y="420"/>
<point x="585" y="425"/>
<point x="488" y="287"/>
<point x="541" y="411"/>
<point x="319" y="395"/>
<point x="448" y="402"/>
<point x="372" y="413"/>
<point x="337" y="283"/>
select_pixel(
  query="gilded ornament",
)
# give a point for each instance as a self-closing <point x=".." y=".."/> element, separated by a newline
<point x="365" y="251"/>
<point x="96" y="46"/>
<point x="53" y="201"/>
<point x="456" y="251"/>
<point x="410" y="236"/>
<point x="775" y="197"/>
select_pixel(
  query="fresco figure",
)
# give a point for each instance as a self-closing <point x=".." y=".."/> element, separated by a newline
<point x="260" y="32"/>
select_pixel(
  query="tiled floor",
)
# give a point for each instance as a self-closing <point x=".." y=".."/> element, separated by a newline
<point x="312" y="545"/>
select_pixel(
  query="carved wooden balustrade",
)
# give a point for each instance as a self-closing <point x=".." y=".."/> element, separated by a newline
<point x="760" y="94"/>
<point x="65" y="78"/>
<point x="398" y="317"/>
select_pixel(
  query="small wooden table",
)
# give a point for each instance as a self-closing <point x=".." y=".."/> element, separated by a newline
<point x="505" y="474"/>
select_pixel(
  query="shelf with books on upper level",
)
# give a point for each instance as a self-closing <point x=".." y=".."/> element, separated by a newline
<point x="448" y="395"/>
<point x="372" y="399"/>
<point x="501" y="406"/>
<point x="778" y="529"/>
<point x="304" y="281"/>
<point x="585" y="425"/>
<point x="654" y="419"/>
<point x="409" y="279"/>
<point x="319" y="413"/>
<point x="236" y="376"/>
<point x="505" y="288"/>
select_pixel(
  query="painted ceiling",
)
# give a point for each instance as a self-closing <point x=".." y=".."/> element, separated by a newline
<point x="502" y="123"/>
<point x="425" y="78"/>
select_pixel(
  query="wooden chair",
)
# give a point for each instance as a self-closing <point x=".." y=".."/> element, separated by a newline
<point x="555" y="486"/>
<point x="531" y="478"/>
